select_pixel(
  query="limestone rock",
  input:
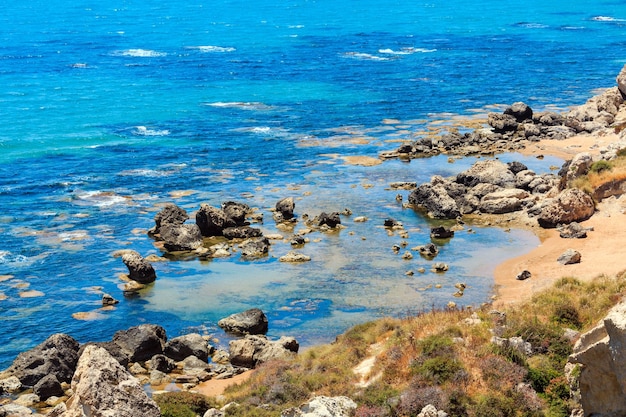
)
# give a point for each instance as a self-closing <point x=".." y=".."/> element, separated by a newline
<point x="57" y="356"/>
<point x="170" y="214"/>
<point x="102" y="387"/>
<point x="235" y="213"/>
<point x="435" y="200"/>
<point x="524" y="275"/>
<point x="185" y="237"/>
<point x="241" y="232"/>
<point x="441" y="232"/>
<point x="191" y="344"/>
<point x="502" y="123"/>
<point x="571" y="205"/>
<point x="331" y="220"/>
<point x="601" y="356"/>
<point x="252" y="321"/>
<point x="256" y="349"/>
<point x="503" y="201"/>
<point x="141" y="342"/>
<point x="573" y="231"/>
<point x="323" y="407"/>
<point x="579" y="166"/>
<point x="285" y="207"/>
<point x="293" y="256"/>
<point x="162" y="363"/>
<point x="569" y="257"/>
<point x="490" y="172"/>
<point x="621" y="81"/>
<point x="139" y="269"/>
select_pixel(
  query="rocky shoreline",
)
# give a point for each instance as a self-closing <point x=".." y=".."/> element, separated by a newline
<point x="60" y="377"/>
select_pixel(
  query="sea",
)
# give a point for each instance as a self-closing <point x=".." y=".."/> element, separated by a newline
<point x="109" y="110"/>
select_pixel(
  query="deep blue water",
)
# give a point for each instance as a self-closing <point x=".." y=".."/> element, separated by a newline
<point x="107" y="108"/>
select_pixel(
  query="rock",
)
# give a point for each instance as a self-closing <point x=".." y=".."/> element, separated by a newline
<point x="293" y="256"/>
<point x="331" y="220"/>
<point x="297" y="240"/>
<point x="241" y="232"/>
<point x="621" y="81"/>
<point x="579" y="166"/>
<point x="255" y="248"/>
<point x="251" y="321"/>
<point x="429" y="411"/>
<point x="15" y="410"/>
<point x="253" y="350"/>
<point x="441" y="232"/>
<point x="185" y="237"/>
<point x="171" y="214"/>
<point x="428" y="250"/>
<point x="11" y="385"/>
<point x="141" y="342"/>
<point x="569" y="257"/>
<point x="601" y="356"/>
<point x="162" y="363"/>
<point x="503" y="201"/>
<point x="490" y="172"/>
<point x="102" y="387"/>
<point x="113" y="348"/>
<point x="235" y="213"/>
<point x="502" y="123"/>
<point x="191" y="344"/>
<point x="285" y="207"/>
<point x="571" y="205"/>
<point x="57" y="356"/>
<point x="524" y="275"/>
<point x="520" y="111"/>
<point x="435" y="200"/>
<point x="323" y="407"/>
<point x="516" y="167"/>
<point x="440" y="267"/>
<point x="108" y="300"/>
<point x="573" y="231"/>
<point x="210" y="220"/>
<point x="48" y="386"/>
<point x="139" y="269"/>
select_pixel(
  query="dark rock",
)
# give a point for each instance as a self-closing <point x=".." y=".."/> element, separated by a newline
<point x="251" y="321"/>
<point x="170" y="214"/>
<point x="235" y="213"/>
<point x="441" y="232"/>
<point x="242" y="232"/>
<point x="210" y="220"/>
<point x="502" y="123"/>
<point x="297" y="240"/>
<point x="571" y="205"/>
<point x="520" y="111"/>
<point x="108" y="300"/>
<point x="549" y="119"/>
<point x="139" y="269"/>
<point x="48" y="386"/>
<point x="57" y="356"/>
<point x="436" y="201"/>
<point x="181" y="347"/>
<point x="162" y="363"/>
<point x="516" y="167"/>
<point x="524" y="275"/>
<point x="186" y="237"/>
<point x="569" y="257"/>
<point x="141" y="342"/>
<point x="255" y="248"/>
<point x="429" y="250"/>
<point x="285" y="207"/>
<point x="331" y="220"/>
<point x="573" y="231"/>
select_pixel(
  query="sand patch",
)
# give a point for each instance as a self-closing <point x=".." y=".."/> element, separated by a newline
<point x="215" y="387"/>
<point x="366" y="161"/>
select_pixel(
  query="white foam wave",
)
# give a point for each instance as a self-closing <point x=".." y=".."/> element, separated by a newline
<point x="101" y="199"/>
<point x="11" y="260"/>
<point x="406" y="51"/>
<point x="243" y="105"/>
<point x="214" y="49"/>
<point x="532" y="25"/>
<point x="140" y="53"/>
<point x="144" y="131"/>
<point x="607" y="19"/>
<point x="364" y="56"/>
<point x="150" y="173"/>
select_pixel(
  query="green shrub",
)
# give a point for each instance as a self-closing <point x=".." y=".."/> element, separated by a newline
<point x="183" y="404"/>
<point x="541" y="376"/>
<point x="436" y="345"/>
<point x="600" y="166"/>
<point x="567" y="315"/>
<point x="438" y="369"/>
<point x="500" y="405"/>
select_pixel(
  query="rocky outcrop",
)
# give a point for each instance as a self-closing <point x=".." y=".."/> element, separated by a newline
<point x="252" y="321"/>
<point x="48" y="386"/>
<point x="601" y="360"/>
<point x="185" y="237"/>
<point x="435" y="200"/>
<point x="56" y="356"/>
<point x="102" y="387"/>
<point x="141" y="342"/>
<point x="285" y="208"/>
<point x="191" y="344"/>
<point x="171" y="214"/>
<point x="139" y="269"/>
<point x="487" y="172"/>
<point x="255" y="349"/>
<point x="213" y="221"/>
<point x="241" y="232"/>
<point x="235" y="213"/>
<point x="323" y="407"/>
<point x="255" y="248"/>
<point x="571" y="205"/>
<point x="331" y="220"/>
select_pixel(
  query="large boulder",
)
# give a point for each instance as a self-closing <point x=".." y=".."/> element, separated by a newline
<point x="601" y="359"/>
<point x="255" y="248"/>
<point x="252" y="321"/>
<point x="210" y="220"/>
<point x="504" y="201"/>
<point x="520" y="111"/>
<point x="285" y="207"/>
<point x="490" y="172"/>
<point x="235" y="213"/>
<point x="323" y="407"/>
<point x="191" y="344"/>
<point x="142" y="342"/>
<point x="102" y="387"/>
<point x="48" y="386"/>
<point x="621" y="81"/>
<point x="170" y="214"/>
<point x="139" y="269"/>
<point x="185" y="237"/>
<point x="502" y="123"/>
<point x="57" y="356"/>
<point x="579" y="166"/>
<point x="253" y="350"/>
<point x="435" y="200"/>
<point x="571" y="205"/>
<point x="331" y="220"/>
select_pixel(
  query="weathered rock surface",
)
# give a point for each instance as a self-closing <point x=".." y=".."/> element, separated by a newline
<point x="210" y="220"/>
<point x="191" y="344"/>
<point x="171" y="214"/>
<point x="241" y="232"/>
<point x="252" y="321"/>
<point x="435" y="200"/>
<point x="235" y="213"/>
<point x="48" y="386"/>
<point x="504" y="201"/>
<point x="286" y="207"/>
<point x="487" y="172"/>
<point x="573" y="231"/>
<point x="569" y="257"/>
<point x="295" y="257"/>
<point x="323" y="407"/>
<point x="255" y="248"/>
<point x="571" y="205"/>
<point x="331" y="220"/>
<point x="57" y="356"/>
<point x="441" y="232"/>
<point x="139" y="269"/>
<point x="601" y="357"/>
<point x="256" y="349"/>
<point x="185" y="237"/>
<point x="102" y="387"/>
<point x="142" y="342"/>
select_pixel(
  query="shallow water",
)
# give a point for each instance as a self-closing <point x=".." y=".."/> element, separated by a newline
<point x="110" y="110"/>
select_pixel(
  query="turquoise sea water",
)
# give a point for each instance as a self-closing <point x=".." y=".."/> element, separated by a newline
<point x="110" y="109"/>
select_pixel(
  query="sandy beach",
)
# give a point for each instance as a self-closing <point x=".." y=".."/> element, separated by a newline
<point x="602" y="252"/>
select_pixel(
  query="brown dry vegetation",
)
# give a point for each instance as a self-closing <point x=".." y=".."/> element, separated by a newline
<point x="602" y="173"/>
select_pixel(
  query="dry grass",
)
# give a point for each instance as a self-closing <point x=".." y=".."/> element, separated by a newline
<point x="614" y="172"/>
